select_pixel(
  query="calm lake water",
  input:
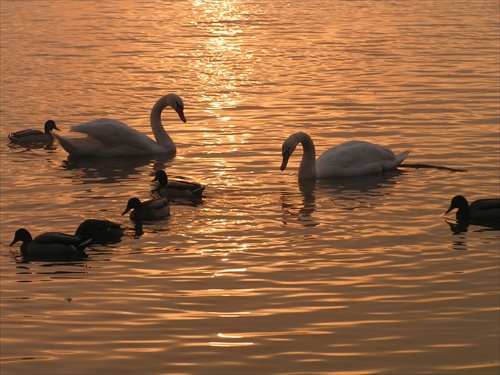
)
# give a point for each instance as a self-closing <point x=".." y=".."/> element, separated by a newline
<point x="350" y="276"/>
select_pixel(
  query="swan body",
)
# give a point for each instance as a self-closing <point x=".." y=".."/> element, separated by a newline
<point x="112" y="138"/>
<point x="100" y="231"/>
<point x="480" y="211"/>
<point x="353" y="158"/>
<point x="29" y="136"/>
<point x="154" y="209"/>
<point x="175" y="189"/>
<point x="51" y="244"/>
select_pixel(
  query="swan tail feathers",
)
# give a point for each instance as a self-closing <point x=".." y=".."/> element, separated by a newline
<point x="66" y="144"/>
<point x="402" y="156"/>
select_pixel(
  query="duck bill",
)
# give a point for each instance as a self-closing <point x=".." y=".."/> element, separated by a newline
<point x="284" y="162"/>
<point x="13" y="242"/>
<point x="180" y="112"/>
<point x="449" y="209"/>
<point x="126" y="210"/>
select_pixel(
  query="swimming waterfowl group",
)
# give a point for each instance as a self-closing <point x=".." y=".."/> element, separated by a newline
<point x="112" y="138"/>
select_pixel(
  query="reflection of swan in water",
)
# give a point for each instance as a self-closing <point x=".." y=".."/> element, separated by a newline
<point x="112" y="138"/>
<point x="110" y="170"/>
<point x="353" y="158"/>
<point x="299" y="210"/>
<point x="347" y="194"/>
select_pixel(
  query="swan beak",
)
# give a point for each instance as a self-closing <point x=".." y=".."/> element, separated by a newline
<point x="285" y="162"/>
<point x="180" y="112"/>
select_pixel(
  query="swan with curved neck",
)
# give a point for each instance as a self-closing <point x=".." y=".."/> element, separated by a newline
<point x="108" y="137"/>
<point x="353" y="158"/>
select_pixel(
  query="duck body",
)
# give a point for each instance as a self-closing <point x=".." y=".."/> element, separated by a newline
<point x="155" y="209"/>
<point x="51" y="244"/>
<point x="30" y="136"/>
<point x="482" y="211"/>
<point x="353" y="158"/>
<point x="175" y="189"/>
<point x="112" y="138"/>
<point x="100" y="231"/>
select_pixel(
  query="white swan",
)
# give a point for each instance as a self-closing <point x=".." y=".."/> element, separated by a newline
<point x="107" y="137"/>
<point x="353" y="158"/>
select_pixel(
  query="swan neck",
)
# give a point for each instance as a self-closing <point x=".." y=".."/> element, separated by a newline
<point x="307" y="167"/>
<point x="161" y="136"/>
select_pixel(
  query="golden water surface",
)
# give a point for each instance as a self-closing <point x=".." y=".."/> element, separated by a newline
<point x="350" y="276"/>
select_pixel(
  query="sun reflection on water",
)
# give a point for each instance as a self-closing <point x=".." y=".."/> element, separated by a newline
<point x="222" y="60"/>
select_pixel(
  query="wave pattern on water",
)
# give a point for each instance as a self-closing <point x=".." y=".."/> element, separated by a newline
<point x="349" y="276"/>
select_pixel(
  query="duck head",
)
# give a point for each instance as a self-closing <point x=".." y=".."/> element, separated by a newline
<point x="49" y="126"/>
<point x="161" y="177"/>
<point x="133" y="203"/>
<point x="21" y="235"/>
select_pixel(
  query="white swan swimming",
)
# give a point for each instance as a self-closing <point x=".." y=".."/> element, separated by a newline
<point x="353" y="158"/>
<point x="108" y="138"/>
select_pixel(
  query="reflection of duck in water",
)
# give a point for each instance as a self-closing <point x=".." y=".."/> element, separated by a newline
<point x="109" y="170"/>
<point x="485" y="212"/>
<point x="51" y="245"/>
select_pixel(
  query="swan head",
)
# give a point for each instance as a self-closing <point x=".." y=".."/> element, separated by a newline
<point x="287" y="150"/>
<point x="21" y="235"/>
<point x="49" y="126"/>
<point x="133" y="203"/>
<point x="175" y="101"/>
<point x="161" y="177"/>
